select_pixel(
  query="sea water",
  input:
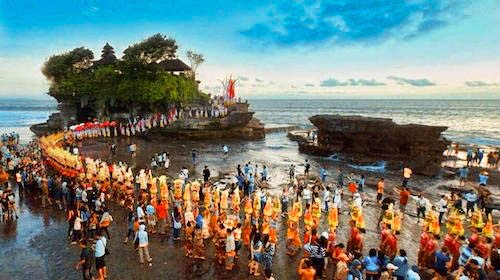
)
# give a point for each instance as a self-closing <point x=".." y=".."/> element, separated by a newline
<point x="469" y="121"/>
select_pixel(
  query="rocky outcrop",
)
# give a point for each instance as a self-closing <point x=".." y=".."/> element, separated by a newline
<point x="236" y="125"/>
<point x="371" y="139"/>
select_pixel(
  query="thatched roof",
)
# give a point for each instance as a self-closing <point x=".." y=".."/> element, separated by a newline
<point x="174" y="65"/>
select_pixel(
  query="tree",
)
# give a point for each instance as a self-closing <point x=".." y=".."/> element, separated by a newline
<point x="152" y="50"/>
<point x="195" y="59"/>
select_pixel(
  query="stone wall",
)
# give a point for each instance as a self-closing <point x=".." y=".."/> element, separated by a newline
<point x="370" y="139"/>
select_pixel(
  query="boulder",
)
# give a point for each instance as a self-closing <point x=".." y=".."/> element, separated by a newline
<point x="365" y="139"/>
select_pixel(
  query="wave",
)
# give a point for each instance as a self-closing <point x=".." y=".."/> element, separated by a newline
<point x="378" y="167"/>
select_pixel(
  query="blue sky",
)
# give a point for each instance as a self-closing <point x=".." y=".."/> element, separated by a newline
<point x="341" y="49"/>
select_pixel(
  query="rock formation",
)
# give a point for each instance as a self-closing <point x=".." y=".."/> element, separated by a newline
<point x="238" y="124"/>
<point x="367" y="140"/>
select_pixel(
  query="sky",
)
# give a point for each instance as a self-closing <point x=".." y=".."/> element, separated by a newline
<point x="282" y="49"/>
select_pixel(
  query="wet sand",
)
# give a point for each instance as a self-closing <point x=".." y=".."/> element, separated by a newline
<point x="36" y="245"/>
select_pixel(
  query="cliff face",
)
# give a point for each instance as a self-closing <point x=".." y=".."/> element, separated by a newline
<point x="369" y="139"/>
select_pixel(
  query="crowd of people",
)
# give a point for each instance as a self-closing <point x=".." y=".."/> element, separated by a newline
<point x="245" y="216"/>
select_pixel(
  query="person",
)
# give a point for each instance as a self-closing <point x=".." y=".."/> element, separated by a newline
<point x="306" y="270"/>
<point x="341" y="269"/>
<point x="85" y="262"/>
<point x="323" y="173"/>
<point x="361" y="183"/>
<point x="407" y="172"/>
<point x="306" y="195"/>
<point x="105" y="222"/>
<point x="316" y="250"/>
<point x="380" y="190"/>
<point x="225" y="150"/>
<point x="388" y="273"/>
<point x="401" y="261"/>
<point x="471" y="198"/>
<point x="307" y="167"/>
<point x="463" y="174"/>
<point x="371" y="264"/>
<point x="442" y="262"/>
<point x="255" y="255"/>
<point x="100" y="255"/>
<point x="230" y="249"/>
<point x="161" y="210"/>
<point x="483" y="178"/>
<point x="442" y="207"/>
<point x="264" y="173"/>
<point x="326" y="198"/>
<point x="206" y="174"/>
<point x="403" y="199"/>
<point x="142" y="241"/>
<point x="340" y="178"/>
<point x="355" y="272"/>
<point x="284" y="202"/>
<point x="421" y="206"/>
<point x="176" y="223"/>
<point x="194" y="154"/>
<point x="291" y="172"/>
<point x="412" y="273"/>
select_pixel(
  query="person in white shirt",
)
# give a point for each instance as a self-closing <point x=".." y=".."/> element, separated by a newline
<point x="442" y="207"/>
<point x="357" y="201"/>
<point x="326" y="197"/>
<point x="140" y="213"/>
<point x="306" y="196"/>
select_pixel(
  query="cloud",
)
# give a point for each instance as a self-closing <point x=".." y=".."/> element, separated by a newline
<point x="332" y="83"/>
<point x="412" y="82"/>
<point x="350" y="82"/>
<point x="366" y="83"/>
<point x="292" y="23"/>
<point x="293" y="86"/>
<point x="259" y="80"/>
<point x="309" y="85"/>
<point x="480" y="84"/>
<point x="242" y="78"/>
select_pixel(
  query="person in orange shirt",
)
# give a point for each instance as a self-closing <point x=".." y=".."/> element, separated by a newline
<point x="380" y="190"/>
<point x="306" y="270"/>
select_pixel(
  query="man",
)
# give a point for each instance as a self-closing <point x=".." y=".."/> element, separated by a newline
<point x="421" y="206"/>
<point x="442" y="207"/>
<point x="323" y="173"/>
<point x="100" y="254"/>
<point x="463" y="174"/>
<point x="380" y="190"/>
<point x="442" y="262"/>
<point x="264" y="173"/>
<point x="206" y="174"/>
<point x="407" y="172"/>
<point x="85" y="260"/>
<point x="193" y="156"/>
<point x="291" y="172"/>
<point x="403" y="199"/>
<point x="307" y="167"/>
<point x="225" y="150"/>
<point x="340" y="178"/>
<point x="471" y="198"/>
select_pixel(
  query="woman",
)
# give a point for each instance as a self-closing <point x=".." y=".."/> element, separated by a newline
<point x="177" y="223"/>
<point x="371" y="263"/>
<point x="141" y="239"/>
<point x="401" y="262"/>
<point x="255" y="255"/>
<point x="105" y="222"/>
<point x="268" y="253"/>
<point x="198" y="244"/>
<point x="93" y="221"/>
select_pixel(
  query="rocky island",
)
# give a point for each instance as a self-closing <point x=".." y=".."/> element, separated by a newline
<point x="366" y="140"/>
<point x="148" y="79"/>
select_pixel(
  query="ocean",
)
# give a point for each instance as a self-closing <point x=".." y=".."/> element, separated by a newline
<point x="470" y="121"/>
